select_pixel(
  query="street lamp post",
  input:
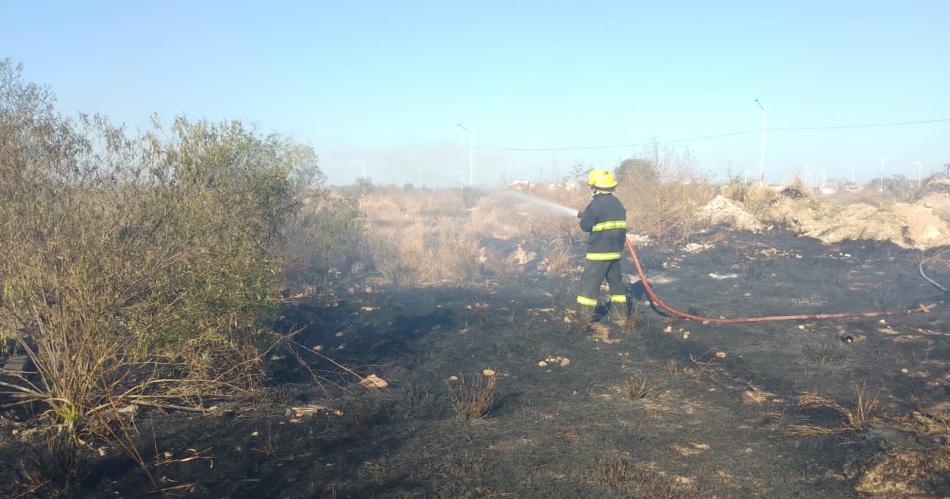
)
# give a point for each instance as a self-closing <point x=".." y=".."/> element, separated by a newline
<point x="762" y="142"/>
<point x="471" y="155"/>
<point x="883" y="159"/>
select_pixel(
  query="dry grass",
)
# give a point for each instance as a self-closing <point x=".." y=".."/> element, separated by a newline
<point x="854" y="418"/>
<point x="633" y="318"/>
<point x="431" y="238"/>
<point x="822" y="354"/>
<point x="622" y="474"/>
<point x="672" y="367"/>
<point x="473" y="398"/>
<point x="636" y="387"/>
<point x="756" y="198"/>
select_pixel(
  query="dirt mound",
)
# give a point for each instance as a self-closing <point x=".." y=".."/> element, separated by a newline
<point x="939" y="203"/>
<point x="938" y="184"/>
<point x="724" y="211"/>
<point x="907" y="473"/>
<point x="919" y="225"/>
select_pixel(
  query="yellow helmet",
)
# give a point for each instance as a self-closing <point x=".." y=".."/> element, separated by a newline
<point x="601" y="179"/>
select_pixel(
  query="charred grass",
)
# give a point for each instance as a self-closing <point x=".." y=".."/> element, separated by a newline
<point x="624" y="475"/>
<point x="853" y="417"/>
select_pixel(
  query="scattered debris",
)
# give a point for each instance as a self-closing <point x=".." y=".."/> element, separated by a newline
<point x="312" y="410"/>
<point x="755" y="397"/>
<point x="522" y="257"/>
<point x="374" y="381"/>
<point x="720" y="277"/>
<point x="488" y="372"/>
<point x="696" y="247"/>
<point x="602" y="333"/>
<point x="720" y="355"/>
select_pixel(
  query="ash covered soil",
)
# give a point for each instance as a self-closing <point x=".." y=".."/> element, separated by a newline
<point x="720" y="416"/>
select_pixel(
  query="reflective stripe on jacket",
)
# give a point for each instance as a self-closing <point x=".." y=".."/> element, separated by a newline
<point x="605" y="219"/>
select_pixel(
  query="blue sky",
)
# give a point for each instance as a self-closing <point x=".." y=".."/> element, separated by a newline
<point x="386" y="82"/>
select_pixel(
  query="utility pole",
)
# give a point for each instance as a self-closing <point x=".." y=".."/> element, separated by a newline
<point x="762" y="142"/>
<point x="471" y="155"/>
<point x="919" y="166"/>
<point x="883" y="159"/>
<point x="419" y="169"/>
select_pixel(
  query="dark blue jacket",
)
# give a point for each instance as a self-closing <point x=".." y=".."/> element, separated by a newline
<point x="605" y="219"/>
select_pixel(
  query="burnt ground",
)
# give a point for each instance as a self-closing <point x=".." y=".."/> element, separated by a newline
<point x="572" y="431"/>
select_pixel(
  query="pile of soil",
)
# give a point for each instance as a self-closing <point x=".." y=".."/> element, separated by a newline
<point x="724" y="211"/>
<point x="916" y="226"/>
<point x="922" y="225"/>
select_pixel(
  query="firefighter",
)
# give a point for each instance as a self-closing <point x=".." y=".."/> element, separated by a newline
<point x="605" y="219"/>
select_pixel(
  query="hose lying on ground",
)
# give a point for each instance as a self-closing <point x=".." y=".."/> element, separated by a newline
<point x="920" y="268"/>
<point x="769" y="318"/>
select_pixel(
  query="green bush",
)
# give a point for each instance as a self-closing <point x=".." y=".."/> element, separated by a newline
<point x="143" y="269"/>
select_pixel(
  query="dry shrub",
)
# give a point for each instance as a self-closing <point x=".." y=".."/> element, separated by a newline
<point x="854" y="418"/>
<point x="756" y="198"/>
<point x="662" y="199"/>
<point x="456" y="257"/>
<point x="636" y="387"/>
<point x="557" y="258"/>
<point x="321" y="239"/>
<point x="473" y="398"/>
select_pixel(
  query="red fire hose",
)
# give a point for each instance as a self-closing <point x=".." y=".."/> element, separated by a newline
<point x="743" y="320"/>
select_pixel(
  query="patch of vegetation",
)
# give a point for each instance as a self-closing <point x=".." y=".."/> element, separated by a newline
<point x="473" y="398"/>
<point x="852" y="418"/>
<point x="142" y="270"/>
<point x="636" y="387"/>
<point x="664" y="193"/>
<point x="822" y="354"/>
<point x="622" y="474"/>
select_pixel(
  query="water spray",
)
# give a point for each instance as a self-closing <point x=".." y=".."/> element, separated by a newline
<point x="543" y="203"/>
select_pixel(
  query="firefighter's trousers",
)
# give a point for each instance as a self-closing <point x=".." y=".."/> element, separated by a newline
<point x="594" y="273"/>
